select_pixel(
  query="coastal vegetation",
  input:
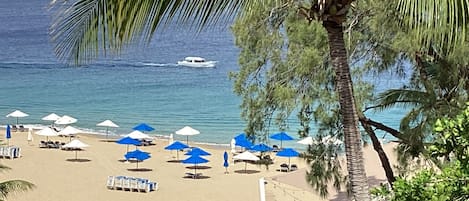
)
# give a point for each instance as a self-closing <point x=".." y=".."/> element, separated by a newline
<point x="294" y="59"/>
<point x="13" y="186"/>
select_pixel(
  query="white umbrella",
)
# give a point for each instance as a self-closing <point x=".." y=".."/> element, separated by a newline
<point x="30" y="135"/>
<point x="17" y="114"/>
<point x="246" y="156"/>
<point x="307" y="141"/>
<point x="75" y="145"/>
<point x="171" y="139"/>
<point x="51" y="117"/>
<point x="108" y="124"/>
<point x="233" y="145"/>
<point x="138" y="135"/>
<point x="48" y="132"/>
<point x="70" y="131"/>
<point x="331" y="140"/>
<point x="64" y="120"/>
<point x="187" y="130"/>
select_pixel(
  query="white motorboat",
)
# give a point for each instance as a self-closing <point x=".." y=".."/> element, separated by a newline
<point x="196" y="62"/>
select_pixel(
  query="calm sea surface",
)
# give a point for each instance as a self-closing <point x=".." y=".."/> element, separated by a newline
<point x="142" y="85"/>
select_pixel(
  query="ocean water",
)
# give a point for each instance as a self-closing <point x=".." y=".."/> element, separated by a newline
<point x="143" y="85"/>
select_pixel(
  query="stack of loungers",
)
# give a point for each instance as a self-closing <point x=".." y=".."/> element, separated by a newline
<point x="10" y="152"/>
<point x="131" y="184"/>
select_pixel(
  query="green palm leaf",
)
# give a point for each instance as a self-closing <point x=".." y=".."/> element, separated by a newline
<point x="437" y="22"/>
<point x="83" y="30"/>
<point x="14" y="186"/>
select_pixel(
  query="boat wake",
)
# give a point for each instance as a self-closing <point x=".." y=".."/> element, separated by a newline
<point x="159" y="64"/>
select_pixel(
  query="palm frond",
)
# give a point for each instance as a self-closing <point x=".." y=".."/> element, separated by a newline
<point x="402" y="97"/>
<point x="83" y="29"/>
<point x="14" y="186"/>
<point x="440" y="22"/>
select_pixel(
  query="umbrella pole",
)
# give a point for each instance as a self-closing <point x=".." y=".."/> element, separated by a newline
<point x="187" y="140"/>
<point x="76" y="152"/>
<point x="106" y="132"/>
<point x="137" y="163"/>
<point x="195" y="171"/>
<point x="245" y="167"/>
<point x="281" y="144"/>
<point x="177" y="154"/>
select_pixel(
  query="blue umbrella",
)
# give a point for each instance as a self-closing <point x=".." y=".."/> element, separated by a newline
<point x="242" y="141"/>
<point x="195" y="159"/>
<point x="197" y="151"/>
<point x="143" y="127"/>
<point x="137" y="154"/>
<point x="8" y="134"/>
<point x="261" y="147"/>
<point x="225" y="163"/>
<point x="128" y="141"/>
<point x="288" y="152"/>
<point x="176" y="146"/>
<point x="281" y="136"/>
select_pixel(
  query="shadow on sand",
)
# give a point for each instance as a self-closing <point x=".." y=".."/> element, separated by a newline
<point x="247" y="171"/>
<point x="140" y="169"/>
<point x="174" y="161"/>
<point x="81" y="160"/>
<point x="199" y="167"/>
<point x="198" y="177"/>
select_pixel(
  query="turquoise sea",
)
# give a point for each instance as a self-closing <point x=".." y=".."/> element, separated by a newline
<point x="142" y="85"/>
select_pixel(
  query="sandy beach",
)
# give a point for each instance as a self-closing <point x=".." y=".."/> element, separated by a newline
<point x="59" y="178"/>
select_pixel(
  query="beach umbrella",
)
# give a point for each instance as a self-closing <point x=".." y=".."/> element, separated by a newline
<point x="138" y="135"/>
<point x="128" y="141"/>
<point x="65" y="120"/>
<point x="48" y="132"/>
<point x="51" y="117"/>
<point x="225" y="161"/>
<point x="246" y="156"/>
<point x="307" y="141"/>
<point x="76" y="145"/>
<point x="69" y="131"/>
<point x="195" y="159"/>
<point x="197" y="151"/>
<point x="143" y="127"/>
<point x="288" y="152"/>
<point x="17" y="114"/>
<point x="187" y="131"/>
<point x="282" y="136"/>
<point x="233" y="145"/>
<point x="108" y="124"/>
<point x="176" y="146"/>
<point x="331" y="140"/>
<point x="242" y="141"/>
<point x="138" y="155"/>
<point x="30" y="135"/>
<point x="8" y="134"/>
<point x="261" y="147"/>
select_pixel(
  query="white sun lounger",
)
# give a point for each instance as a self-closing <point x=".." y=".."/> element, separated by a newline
<point x="110" y="182"/>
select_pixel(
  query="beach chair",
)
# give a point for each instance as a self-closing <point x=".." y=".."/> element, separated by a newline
<point x="14" y="128"/>
<point x="110" y="182"/>
<point x="284" y="167"/>
<point x="21" y="128"/>
<point x="134" y="184"/>
<point x="126" y="184"/>
<point x="293" y="167"/>
<point x="144" y="185"/>
<point x="275" y="148"/>
<point x="118" y="183"/>
<point x="153" y="186"/>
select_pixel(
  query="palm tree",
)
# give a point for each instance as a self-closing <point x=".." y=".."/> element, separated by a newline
<point x="8" y="187"/>
<point x="85" y="28"/>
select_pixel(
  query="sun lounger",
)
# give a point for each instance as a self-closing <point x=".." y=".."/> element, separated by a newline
<point x="14" y="128"/>
<point x="293" y="167"/>
<point x="275" y="148"/>
<point x="110" y="182"/>
<point x="284" y="167"/>
<point x="118" y="183"/>
<point x="21" y="128"/>
<point x="126" y="184"/>
<point x="134" y="184"/>
<point x="143" y="185"/>
<point x="195" y="176"/>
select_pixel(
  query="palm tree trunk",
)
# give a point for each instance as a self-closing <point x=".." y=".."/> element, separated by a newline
<point x="353" y="146"/>
<point x="379" y="149"/>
